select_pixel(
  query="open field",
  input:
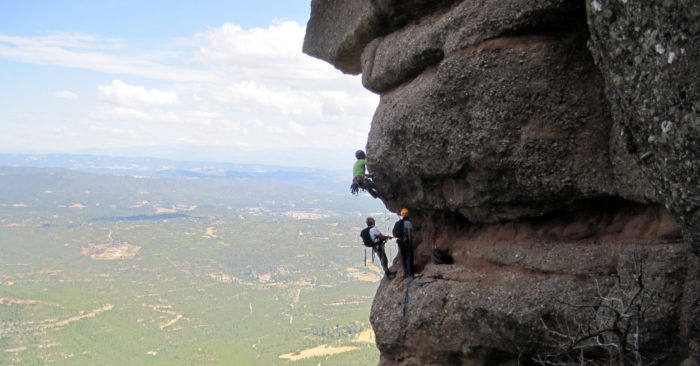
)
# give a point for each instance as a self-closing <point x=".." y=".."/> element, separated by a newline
<point x="272" y="278"/>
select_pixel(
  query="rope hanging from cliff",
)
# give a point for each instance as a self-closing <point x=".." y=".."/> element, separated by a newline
<point x="388" y="229"/>
<point x="408" y="285"/>
<point x="365" y="261"/>
<point x="406" y="298"/>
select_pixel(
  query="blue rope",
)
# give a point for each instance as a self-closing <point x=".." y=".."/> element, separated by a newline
<point x="408" y="285"/>
<point x="405" y="299"/>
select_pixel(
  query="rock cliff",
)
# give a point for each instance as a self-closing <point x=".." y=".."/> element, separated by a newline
<point x="552" y="147"/>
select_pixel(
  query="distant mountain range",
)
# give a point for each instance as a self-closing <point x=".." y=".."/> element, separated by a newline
<point x="150" y="167"/>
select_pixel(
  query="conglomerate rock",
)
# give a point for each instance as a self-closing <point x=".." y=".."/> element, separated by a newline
<point x="551" y="147"/>
<point x="338" y="31"/>
<point x="399" y="56"/>
<point x="649" y="52"/>
<point x="523" y="136"/>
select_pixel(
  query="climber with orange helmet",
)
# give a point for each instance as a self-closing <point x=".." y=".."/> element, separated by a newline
<point x="403" y="232"/>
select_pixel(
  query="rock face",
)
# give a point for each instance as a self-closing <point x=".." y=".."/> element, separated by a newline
<point x="552" y="147"/>
<point x="649" y="52"/>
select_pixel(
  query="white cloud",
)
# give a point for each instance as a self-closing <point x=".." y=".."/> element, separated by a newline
<point x="68" y="40"/>
<point x="277" y="96"/>
<point x="313" y="106"/>
<point x="269" y="79"/>
<point x="240" y="89"/>
<point x="133" y="95"/>
<point x="65" y="94"/>
<point x="97" y="54"/>
<point x="273" y="54"/>
<point x="250" y="96"/>
<point x="297" y="127"/>
<point x="122" y="113"/>
<point x="125" y="114"/>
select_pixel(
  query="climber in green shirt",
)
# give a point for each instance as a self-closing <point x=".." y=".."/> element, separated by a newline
<point x="360" y="179"/>
<point x="358" y="169"/>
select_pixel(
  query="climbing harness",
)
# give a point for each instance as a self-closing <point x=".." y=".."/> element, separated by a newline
<point x="364" y="183"/>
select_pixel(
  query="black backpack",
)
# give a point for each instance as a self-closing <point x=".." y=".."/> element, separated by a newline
<point x="398" y="231"/>
<point x="366" y="238"/>
<point x="442" y="257"/>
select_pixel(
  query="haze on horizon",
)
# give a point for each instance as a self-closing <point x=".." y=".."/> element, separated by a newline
<point x="187" y="81"/>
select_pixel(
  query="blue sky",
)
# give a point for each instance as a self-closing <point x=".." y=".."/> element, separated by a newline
<point x="196" y="80"/>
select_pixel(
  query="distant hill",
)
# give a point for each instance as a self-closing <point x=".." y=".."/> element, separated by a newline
<point x="281" y="191"/>
<point x="163" y="167"/>
<point x="313" y="179"/>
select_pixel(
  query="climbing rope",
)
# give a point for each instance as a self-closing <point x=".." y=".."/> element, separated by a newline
<point x="408" y="286"/>
<point x="406" y="298"/>
<point x="388" y="229"/>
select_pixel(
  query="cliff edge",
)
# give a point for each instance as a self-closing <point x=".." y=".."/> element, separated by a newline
<point x="552" y="147"/>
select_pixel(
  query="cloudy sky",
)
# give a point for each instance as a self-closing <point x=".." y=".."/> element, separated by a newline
<point x="179" y="79"/>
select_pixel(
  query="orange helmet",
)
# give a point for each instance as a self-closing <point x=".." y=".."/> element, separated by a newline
<point x="404" y="212"/>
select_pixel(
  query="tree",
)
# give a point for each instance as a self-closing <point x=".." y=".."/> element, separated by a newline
<point x="608" y="328"/>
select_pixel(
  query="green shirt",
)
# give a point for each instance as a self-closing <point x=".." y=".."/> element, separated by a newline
<point x="359" y="168"/>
